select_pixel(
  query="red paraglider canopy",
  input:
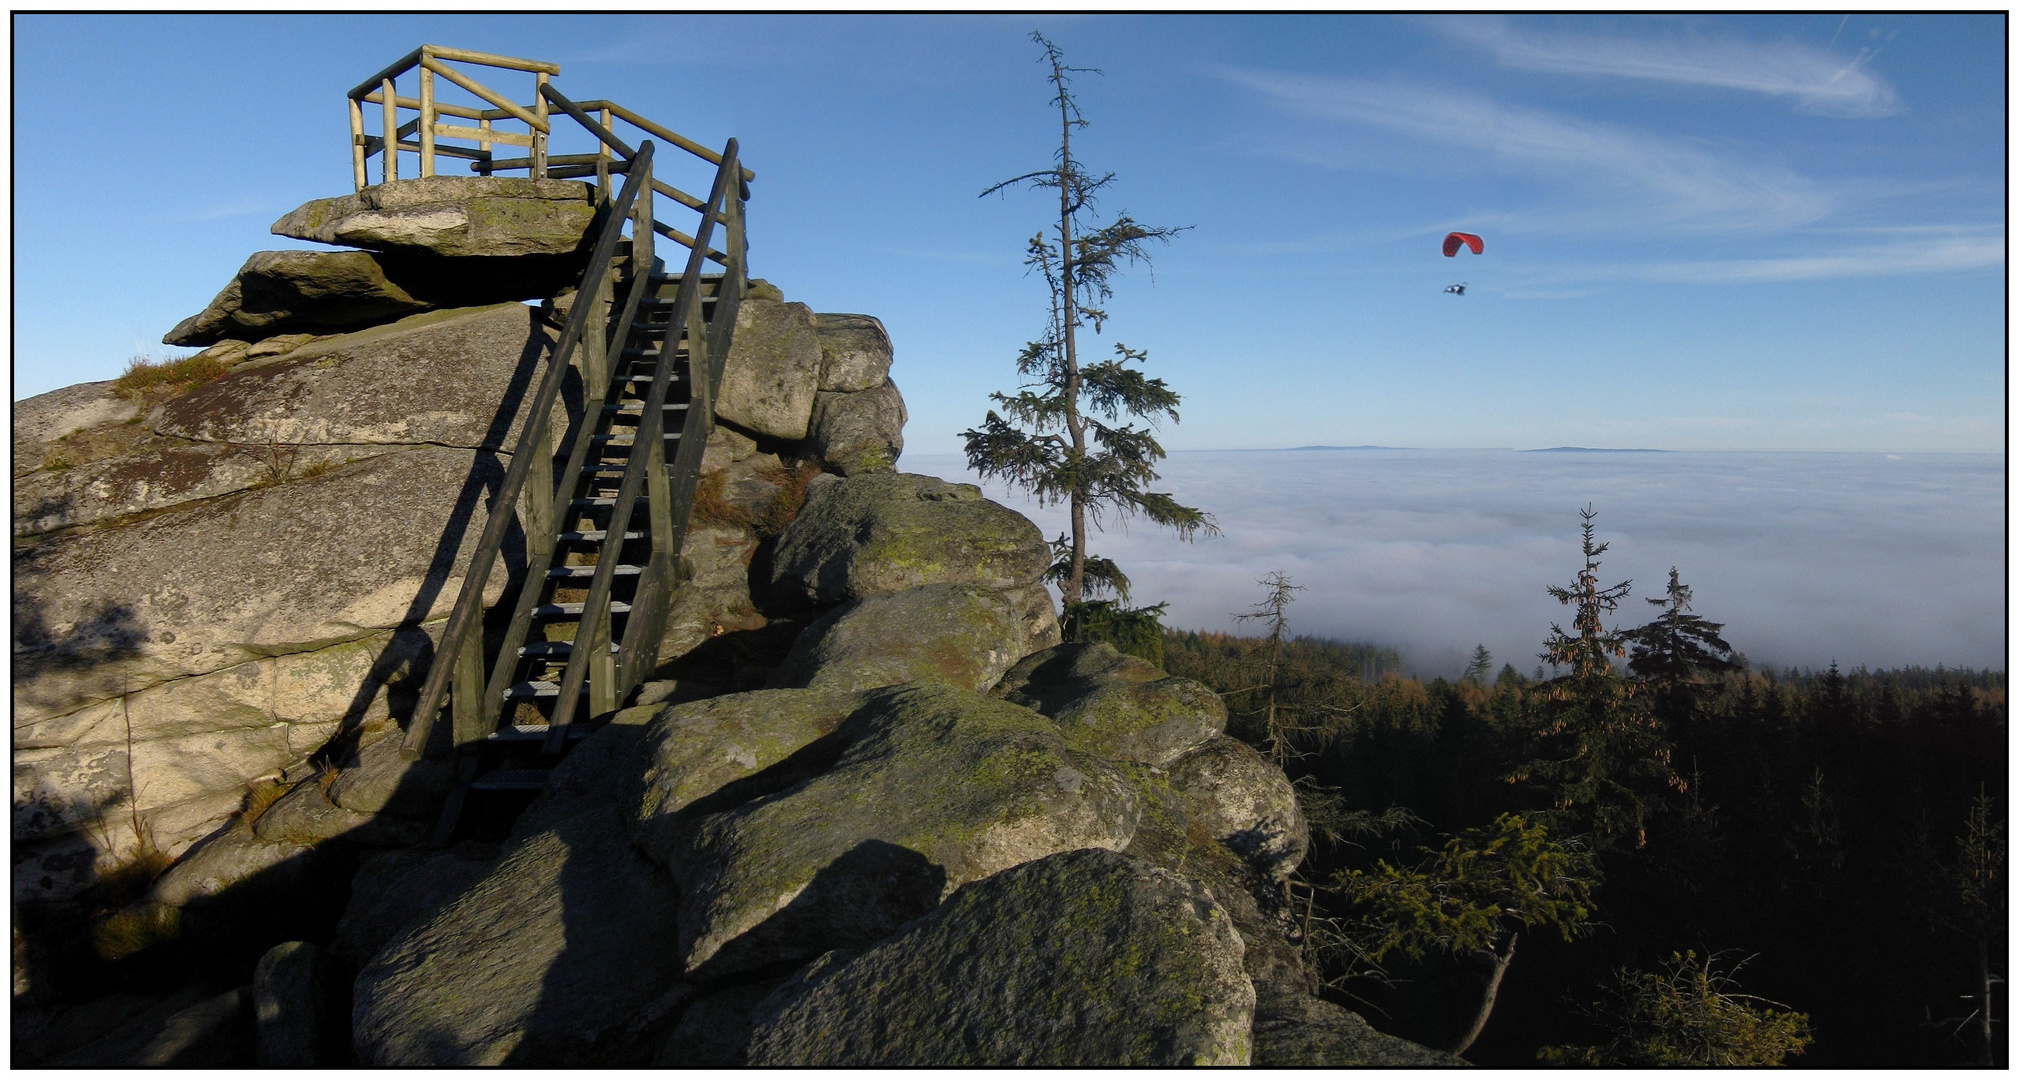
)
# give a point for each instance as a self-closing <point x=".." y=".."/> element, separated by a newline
<point x="1452" y="241"/>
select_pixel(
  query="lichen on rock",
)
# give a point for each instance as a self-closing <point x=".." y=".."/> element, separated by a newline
<point x="1081" y="959"/>
<point x="1113" y="704"/>
<point x="886" y="531"/>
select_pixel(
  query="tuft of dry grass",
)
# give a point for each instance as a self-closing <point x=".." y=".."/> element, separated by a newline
<point x="144" y="374"/>
<point x="711" y="509"/>
<point x="260" y="797"/>
<point x="783" y="509"/>
<point x="135" y="929"/>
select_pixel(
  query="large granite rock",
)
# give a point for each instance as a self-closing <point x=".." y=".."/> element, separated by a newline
<point x="963" y="636"/>
<point x="1113" y="704"/>
<point x="454" y="378"/>
<point x="230" y="859"/>
<point x="1245" y="803"/>
<point x="126" y="469"/>
<point x="928" y="788"/>
<point x="323" y="292"/>
<point x="285" y="291"/>
<point x="562" y="954"/>
<point x="700" y="748"/>
<point x="172" y="661"/>
<point x="1293" y="1026"/>
<point x="454" y="216"/>
<point x="287" y="1006"/>
<point x="253" y="576"/>
<point x="886" y="531"/>
<point x="854" y="352"/>
<point x="773" y="370"/>
<point x="48" y="417"/>
<point x="396" y="888"/>
<point x="1082" y="959"/>
<point x="858" y="432"/>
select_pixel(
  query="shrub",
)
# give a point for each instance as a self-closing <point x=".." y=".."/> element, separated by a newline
<point x="1135" y="631"/>
<point x="1689" y="1013"/>
<point x="144" y="374"/>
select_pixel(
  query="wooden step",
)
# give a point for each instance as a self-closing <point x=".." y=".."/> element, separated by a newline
<point x="595" y="536"/>
<point x="637" y="408"/>
<point x="574" y="611"/>
<point x="626" y="440"/>
<point x="513" y="780"/>
<point x="583" y="573"/>
<point x="521" y="733"/>
<point x="555" y="648"/>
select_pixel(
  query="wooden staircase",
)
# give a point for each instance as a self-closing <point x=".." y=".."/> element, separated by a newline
<point x="603" y="505"/>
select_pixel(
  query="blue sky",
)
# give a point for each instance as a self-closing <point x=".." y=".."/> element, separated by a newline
<point x="1750" y="232"/>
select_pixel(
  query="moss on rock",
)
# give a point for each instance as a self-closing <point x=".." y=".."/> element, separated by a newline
<point x="1089" y="959"/>
<point x="931" y="788"/>
<point x="1114" y="705"/>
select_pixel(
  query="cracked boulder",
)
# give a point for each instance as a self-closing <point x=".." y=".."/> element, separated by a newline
<point x="1115" y="705"/>
<point x="963" y="636"/>
<point x="1082" y="959"/>
<point x="887" y="531"/>
<point x="773" y="370"/>
<point x="917" y="792"/>
<point x="453" y="216"/>
<point x="1245" y="803"/>
<point x="858" y="432"/>
<point x="561" y="954"/>
<point x="854" y="352"/>
<point x="459" y="377"/>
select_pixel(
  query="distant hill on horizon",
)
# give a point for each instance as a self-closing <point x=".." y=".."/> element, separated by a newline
<point x="1592" y="450"/>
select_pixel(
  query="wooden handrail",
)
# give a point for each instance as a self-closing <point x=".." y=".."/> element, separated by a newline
<point x="392" y="71"/>
<point x="432" y="60"/>
<point x="468" y="612"/>
<point x="650" y="427"/>
<point x="692" y="147"/>
<point x="468" y="56"/>
<point x="602" y="133"/>
<point x="518" y="112"/>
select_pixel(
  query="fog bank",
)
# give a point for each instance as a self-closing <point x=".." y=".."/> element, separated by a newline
<point x="1874" y="559"/>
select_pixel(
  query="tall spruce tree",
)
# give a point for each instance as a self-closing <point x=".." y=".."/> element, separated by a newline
<point x="1601" y="754"/>
<point x="1066" y="435"/>
<point x="1675" y="651"/>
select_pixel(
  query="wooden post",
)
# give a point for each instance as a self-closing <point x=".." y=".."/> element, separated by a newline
<point x="602" y="664"/>
<point x="390" y="111"/>
<point x="539" y="155"/>
<point x="427" y="129"/>
<point x="603" y="162"/>
<point x="484" y="143"/>
<point x="641" y="229"/>
<point x="595" y="338"/>
<point x="357" y="112"/>
<point x="536" y="514"/>
<point x="466" y="699"/>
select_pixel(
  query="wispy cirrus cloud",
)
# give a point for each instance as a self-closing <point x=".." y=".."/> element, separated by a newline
<point x="1927" y="255"/>
<point x="1817" y="80"/>
<point x="1661" y="181"/>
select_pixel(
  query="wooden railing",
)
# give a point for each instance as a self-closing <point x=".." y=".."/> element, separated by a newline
<point x="432" y="138"/>
<point x="427" y="129"/>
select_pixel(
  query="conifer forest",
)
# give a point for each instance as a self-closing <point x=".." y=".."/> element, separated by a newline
<point x="1634" y="847"/>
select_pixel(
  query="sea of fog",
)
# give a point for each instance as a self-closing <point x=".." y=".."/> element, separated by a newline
<point x="1807" y="558"/>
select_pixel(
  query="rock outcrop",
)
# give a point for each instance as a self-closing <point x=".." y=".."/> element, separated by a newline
<point x="867" y="811"/>
<point x="1088" y="959"/>
<point x="453" y="216"/>
<point x="886" y="531"/>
